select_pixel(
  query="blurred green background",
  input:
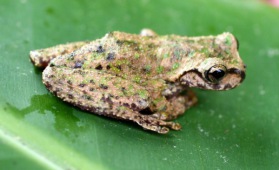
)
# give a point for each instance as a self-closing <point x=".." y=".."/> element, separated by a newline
<point x="237" y="129"/>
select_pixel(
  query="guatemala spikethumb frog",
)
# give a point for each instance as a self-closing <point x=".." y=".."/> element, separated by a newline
<point x="143" y="78"/>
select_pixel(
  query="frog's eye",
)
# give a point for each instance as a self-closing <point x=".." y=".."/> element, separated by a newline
<point x="216" y="73"/>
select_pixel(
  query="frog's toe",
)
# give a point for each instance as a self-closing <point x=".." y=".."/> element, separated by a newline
<point x="164" y="127"/>
<point x="162" y="130"/>
<point x="159" y="126"/>
<point x="161" y="116"/>
<point x="172" y="125"/>
<point x="156" y="128"/>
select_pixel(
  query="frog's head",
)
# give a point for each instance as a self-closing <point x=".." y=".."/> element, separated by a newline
<point x="218" y="68"/>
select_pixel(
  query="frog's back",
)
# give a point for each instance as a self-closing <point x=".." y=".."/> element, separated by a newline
<point x="126" y="55"/>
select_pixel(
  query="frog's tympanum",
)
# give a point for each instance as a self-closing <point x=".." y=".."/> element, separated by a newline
<point x="142" y="78"/>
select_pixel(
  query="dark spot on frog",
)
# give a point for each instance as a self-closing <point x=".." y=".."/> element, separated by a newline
<point x="126" y="105"/>
<point x="100" y="49"/>
<point x="119" y="67"/>
<point x="136" y="117"/>
<point x="92" y="81"/>
<point x="71" y="56"/>
<point x="51" y="76"/>
<point x="124" y="91"/>
<point x="228" y="86"/>
<point x="146" y="111"/>
<point x="51" y="64"/>
<point x="42" y="63"/>
<point x="81" y="85"/>
<point x="54" y="92"/>
<point x="119" y="42"/>
<point x="215" y="86"/>
<point x="48" y="85"/>
<point x="70" y="88"/>
<point x="87" y="97"/>
<point x="64" y="52"/>
<point x="133" y="106"/>
<point x="99" y="67"/>
<point x="69" y="82"/>
<point x="103" y="86"/>
<point x="108" y="67"/>
<point x="70" y="96"/>
<point x="91" y="89"/>
<point x="146" y="69"/>
<point x="78" y="64"/>
<point x="58" y="89"/>
<point x="84" y="91"/>
<point x="79" y="72"/>
<point x="110" y="95"/>
<point x="110" y="56"/>
<point x="202" y="86"/>
<point x="106" y="99"/>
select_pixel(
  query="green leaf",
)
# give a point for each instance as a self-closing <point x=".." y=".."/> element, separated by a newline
<point x="237" y="129"/>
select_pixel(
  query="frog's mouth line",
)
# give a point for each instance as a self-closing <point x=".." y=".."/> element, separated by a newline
<point x="194" y="78"/>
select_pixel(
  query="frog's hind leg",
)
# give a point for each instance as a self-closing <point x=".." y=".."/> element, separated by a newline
<point x="40" y="58"/>
<point x="147" y="122"/>
<point x="104" y="94"/>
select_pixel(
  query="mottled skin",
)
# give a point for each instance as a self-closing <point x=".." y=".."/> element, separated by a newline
<point x="142" y="78"/>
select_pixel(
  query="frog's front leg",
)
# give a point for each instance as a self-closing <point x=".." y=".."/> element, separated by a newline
<point x="40" y="58"/>
<point x="177" y="105"/>
<point x="104" y="94"/>
<point x="176" y="101"/>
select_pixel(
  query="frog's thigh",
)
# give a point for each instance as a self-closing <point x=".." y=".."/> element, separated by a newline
<point x="104" y="94"/>
<point x="42" y="57"/>
<point x="177" y="106"/>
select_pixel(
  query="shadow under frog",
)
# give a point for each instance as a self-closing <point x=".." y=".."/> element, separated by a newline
<point x="55" y="111"/>
<point x="65" y="118"/>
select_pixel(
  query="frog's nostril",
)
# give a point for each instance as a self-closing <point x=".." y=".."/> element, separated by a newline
<point x="241" y="73"/>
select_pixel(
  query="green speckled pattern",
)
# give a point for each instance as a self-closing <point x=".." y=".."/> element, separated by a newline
<point x="144" y="79"/>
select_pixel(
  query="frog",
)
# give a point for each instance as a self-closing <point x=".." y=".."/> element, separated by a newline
<point x="144" y="78"/>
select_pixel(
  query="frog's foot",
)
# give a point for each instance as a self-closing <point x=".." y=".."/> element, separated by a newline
<point x="177" y="106"/>
<point x="147" y="32"/>
<point x="151" y="123"/>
